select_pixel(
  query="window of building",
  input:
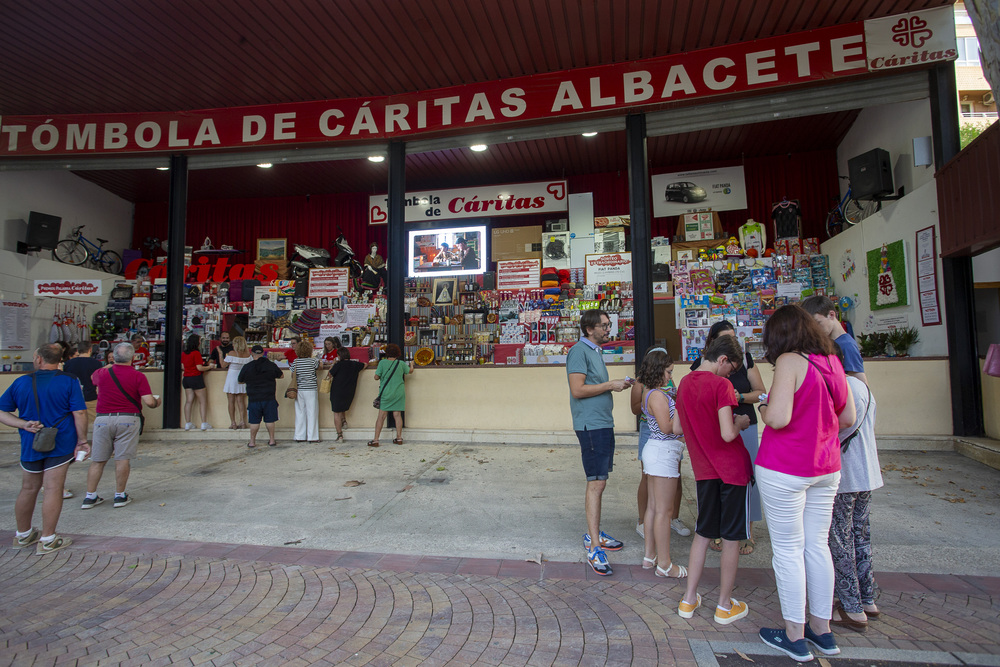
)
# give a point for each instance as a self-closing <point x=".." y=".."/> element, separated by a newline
<point x="968" y="51"/>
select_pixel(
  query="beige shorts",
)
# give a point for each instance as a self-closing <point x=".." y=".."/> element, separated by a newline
<point x="118" y="434"/>
<point x="91" y="412"/>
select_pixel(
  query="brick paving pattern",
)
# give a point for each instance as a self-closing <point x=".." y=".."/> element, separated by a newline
<point x="123" y="601"/>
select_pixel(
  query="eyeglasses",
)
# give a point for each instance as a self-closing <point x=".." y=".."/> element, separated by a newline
<point x="605" y="326"/>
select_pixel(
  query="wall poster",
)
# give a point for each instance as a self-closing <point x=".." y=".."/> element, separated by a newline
<point x="887" y="276"/>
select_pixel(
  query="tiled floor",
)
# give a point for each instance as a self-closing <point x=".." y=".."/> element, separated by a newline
<point x="124" y="601"/>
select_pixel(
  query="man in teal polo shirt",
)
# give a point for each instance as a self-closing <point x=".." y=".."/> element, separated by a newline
<point x="591" y="404"/>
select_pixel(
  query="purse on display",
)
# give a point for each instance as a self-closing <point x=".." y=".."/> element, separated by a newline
<point x="293" y="388"/>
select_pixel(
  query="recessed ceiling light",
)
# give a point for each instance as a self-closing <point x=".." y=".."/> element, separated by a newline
<point x="163" y="169"/>
<point x="376" y="158"/>
<point x="265" y="165"/>
<point x="479" y="148"/>
<point x="590" y="134"/>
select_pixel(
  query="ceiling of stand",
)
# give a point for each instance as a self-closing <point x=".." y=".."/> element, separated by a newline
<point x="66" y="57"/>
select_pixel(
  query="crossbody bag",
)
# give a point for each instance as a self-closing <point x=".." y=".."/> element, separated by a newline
<point x="142" y="419"/>
<point x="45" y="438"/>
<point x="846" y="442"/>
<point x="378" y="399"/>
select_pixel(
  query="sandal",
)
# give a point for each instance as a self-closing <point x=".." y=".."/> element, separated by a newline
<point x="398" y="441"/>
<point x="241" y="425"/>
<point x="681" y="571"/>
<point x="716" y="544"/>
<point x="648" y="563"/>
<point x="373" y="443"/>
<point x="340" y="437"/>
<point x="251" y="445"/>
<point x="232" y="427"/>
<point x="846" y="621"/>
<point x="746" y="547"/>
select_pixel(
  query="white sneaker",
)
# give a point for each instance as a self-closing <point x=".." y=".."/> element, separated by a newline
<point x="639" y="528"/>
<point x="188" y="426"/>
<point x="680" y="528"/>
<point x="205" y="426"/>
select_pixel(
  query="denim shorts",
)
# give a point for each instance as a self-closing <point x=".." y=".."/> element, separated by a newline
<point x="266" y="410"/>
<point x="597" y="449"/>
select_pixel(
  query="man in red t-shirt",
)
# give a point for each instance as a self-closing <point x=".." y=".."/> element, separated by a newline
<point x="722" y="471"/>
<point x="121" y="393"/>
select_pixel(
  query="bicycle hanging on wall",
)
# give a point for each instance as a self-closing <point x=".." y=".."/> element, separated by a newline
<point x="849" y="212"/>
<point x="79" y="250"/>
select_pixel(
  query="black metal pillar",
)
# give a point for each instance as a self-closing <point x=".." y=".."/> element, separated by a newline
<point x="640" y="212"/>
<point x="176" y="232"/>
<point x="396" y="252"/>
<point x="960" y="316"/>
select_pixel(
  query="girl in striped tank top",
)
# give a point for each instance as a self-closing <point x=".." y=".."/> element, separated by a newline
<point x="661" y="462"/>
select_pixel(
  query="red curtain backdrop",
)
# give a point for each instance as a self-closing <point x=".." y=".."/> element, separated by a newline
<point x="809" y="177"/>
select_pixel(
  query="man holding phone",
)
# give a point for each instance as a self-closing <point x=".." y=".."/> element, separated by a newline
<point x="591" y="403"/>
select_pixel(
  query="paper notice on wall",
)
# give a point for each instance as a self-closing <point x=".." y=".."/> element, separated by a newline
<point x="358" y="313"/>
<point x="519" y="274"/>
<point x="328" y="282"/>
<point x="890" y="322"/>
<point x="791" y="291"/>
<point x="15" y="325"/>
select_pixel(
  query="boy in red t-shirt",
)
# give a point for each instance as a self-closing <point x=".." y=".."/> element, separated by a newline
<point x="722" y="471"/>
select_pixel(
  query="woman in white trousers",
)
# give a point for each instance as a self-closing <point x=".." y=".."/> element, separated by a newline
<point x="798" y="471"/>
<point x="306" y="404"/>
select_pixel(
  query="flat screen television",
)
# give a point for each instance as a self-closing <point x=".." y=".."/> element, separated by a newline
<point x="438" y="252"/>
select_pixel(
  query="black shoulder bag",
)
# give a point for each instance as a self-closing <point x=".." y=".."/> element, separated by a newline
<point x="45" y="439"/>
<point x="378" y="399"/>
<point x="142" y="419"/>
<point x="846" y="442"/>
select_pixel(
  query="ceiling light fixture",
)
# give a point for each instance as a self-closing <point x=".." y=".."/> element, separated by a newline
<point x="376" y="158"/>
<point x="163" y="169"/>
<point x="590" y="134"/>
<point x="265" y="165"/>
<point x="479" y="148"/>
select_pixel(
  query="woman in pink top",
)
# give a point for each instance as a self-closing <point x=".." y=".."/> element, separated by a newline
<point x="798" y="471"/>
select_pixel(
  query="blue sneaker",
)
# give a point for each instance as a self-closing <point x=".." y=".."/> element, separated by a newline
<point x="776" y="638"/>
<point x="824" y="643"/>
<point x="599" y="561"/>
<point x="605" y="542"/>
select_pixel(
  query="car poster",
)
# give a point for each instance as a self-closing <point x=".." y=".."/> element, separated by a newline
<point x="721" y="189"/>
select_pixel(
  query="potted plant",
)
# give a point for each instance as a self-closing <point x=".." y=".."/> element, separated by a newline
<point x="873" y="344"/>
<point x="902" y="340"/>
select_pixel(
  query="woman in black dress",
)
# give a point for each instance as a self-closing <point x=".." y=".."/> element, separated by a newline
<point x="345" y="373"/>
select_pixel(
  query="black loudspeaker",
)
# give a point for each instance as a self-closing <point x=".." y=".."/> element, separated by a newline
<point x="43" y="230"/>
<point x="871" y="175"/>
<point x="489" y="280"/>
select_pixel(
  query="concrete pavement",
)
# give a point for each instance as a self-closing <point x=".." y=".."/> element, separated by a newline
<point x="423" y="554"/>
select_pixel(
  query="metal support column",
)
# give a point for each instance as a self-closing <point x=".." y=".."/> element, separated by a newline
<point x="640" y="212"/>
<point x="176" y="232"/>
<point x="960" y="318"/>
<point x="396" y="252"/>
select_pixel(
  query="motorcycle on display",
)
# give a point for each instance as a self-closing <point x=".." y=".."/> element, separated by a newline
<point x="345" y="257"/>
<point x="305" y="258"/>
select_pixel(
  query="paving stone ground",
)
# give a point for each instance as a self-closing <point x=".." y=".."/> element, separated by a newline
<point x="127" y="601"/>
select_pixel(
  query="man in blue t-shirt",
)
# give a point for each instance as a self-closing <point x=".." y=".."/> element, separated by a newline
<point x="59" y="403"/>
<point x="825" y="314"/>
<point x="591" y="404"/>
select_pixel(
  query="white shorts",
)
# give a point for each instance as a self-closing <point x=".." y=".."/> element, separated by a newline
<point x="662" y="458"/>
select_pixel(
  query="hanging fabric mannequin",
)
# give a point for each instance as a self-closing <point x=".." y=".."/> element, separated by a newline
<point x="786" y="215"/>
<point x="753" y="236"/>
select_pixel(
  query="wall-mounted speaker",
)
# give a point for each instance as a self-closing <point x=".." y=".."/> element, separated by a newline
<point x="871" y="175"/>
<point x="43" y="230"/>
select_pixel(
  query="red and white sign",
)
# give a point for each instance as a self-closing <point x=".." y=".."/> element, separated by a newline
<point x="328" y="282"/>
<point x="519" y="274"/>
<point x="68" y="287"/>
<point x="490" y="200"/>
<point x="609" y="268"/>
<point x="917" y="38"/>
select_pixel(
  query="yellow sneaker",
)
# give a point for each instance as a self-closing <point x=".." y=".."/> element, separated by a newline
<point x="738" y="611"/>
<point x="686" y="609"/>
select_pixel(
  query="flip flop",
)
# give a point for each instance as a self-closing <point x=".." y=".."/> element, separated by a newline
<point x="373" y="443"/>
<point x="251" y="446"/>
<point x="746" y="547"/>
<point x="715" y="545"/>
<point x="272" y="444"/>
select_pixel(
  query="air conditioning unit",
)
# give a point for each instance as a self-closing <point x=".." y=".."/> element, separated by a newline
<point x="988" y="98"/>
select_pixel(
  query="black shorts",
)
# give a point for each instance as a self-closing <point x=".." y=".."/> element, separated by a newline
<point x="41" y="465"/>
<point x="723" y="510"/>
<point x="266" y="410"/>
<point x="193" y="382"/>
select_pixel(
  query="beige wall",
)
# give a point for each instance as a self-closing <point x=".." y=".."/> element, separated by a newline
<point x="991" y="404"/>
<point x="913" y="397"/>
